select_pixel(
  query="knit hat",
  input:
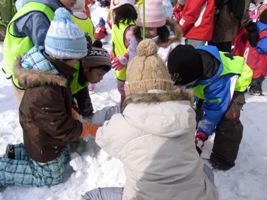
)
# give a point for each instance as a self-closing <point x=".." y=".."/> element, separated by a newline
<point x="98" y="56"/>
<point x="64" y="39"/>
<point x="118" y="3"/>
<point x="147" y="71"/>
<point x="102" y="21"/>
<point x="184" y="64"/>
<point x="154" y="14"/>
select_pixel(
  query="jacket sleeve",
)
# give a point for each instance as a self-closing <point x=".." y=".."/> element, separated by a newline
<point x="34" y="25"/>
<point x="217" y="99"/>
<point x="51" y="113"/>
<point x="84" y="102"/>
<point x="191" y="13"/>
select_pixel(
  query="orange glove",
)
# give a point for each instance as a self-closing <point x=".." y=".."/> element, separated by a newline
<point x="89" y="129"/>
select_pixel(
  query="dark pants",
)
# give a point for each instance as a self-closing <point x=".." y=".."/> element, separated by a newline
<point x="228" y="134"/>
<point x="223" y="46"/>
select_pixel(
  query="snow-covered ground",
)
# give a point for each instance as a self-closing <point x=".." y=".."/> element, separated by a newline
<point x="94" y="168"/>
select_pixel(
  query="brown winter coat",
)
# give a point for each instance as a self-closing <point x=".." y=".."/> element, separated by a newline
<point x="45" y="112"/>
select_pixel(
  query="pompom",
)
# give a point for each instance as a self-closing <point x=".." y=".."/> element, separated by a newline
<point x="147" y="47"/>
<point x="62" y="14"/>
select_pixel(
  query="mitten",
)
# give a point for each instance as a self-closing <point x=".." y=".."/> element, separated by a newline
<point x="253" y="34"/>
<point x="200" y="138"/>
<point x="177" y="12"/>
<point x="89" y="129"/>
<point x="119" y="62"/>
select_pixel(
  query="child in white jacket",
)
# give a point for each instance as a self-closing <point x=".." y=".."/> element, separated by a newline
<point x="154" y="136"/>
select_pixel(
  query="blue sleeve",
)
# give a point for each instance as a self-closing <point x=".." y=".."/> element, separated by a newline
<point x="217" y="100"/>
<point x="34" y="25"/>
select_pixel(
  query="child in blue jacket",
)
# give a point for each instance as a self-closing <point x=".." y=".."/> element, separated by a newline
<point x="219" y="80"/>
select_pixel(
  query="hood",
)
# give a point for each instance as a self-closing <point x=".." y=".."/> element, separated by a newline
<point x="33" y="69"/>
<point x="166" y="114"/>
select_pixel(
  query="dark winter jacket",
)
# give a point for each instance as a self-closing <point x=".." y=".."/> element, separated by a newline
<point x="45" y="110"/>
<point x="227" y="19"/>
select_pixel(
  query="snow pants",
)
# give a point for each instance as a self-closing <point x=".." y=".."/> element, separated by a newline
<point x="116" y="193"/>
<point x="22" y="170"/>
<point x="228" y="135"/>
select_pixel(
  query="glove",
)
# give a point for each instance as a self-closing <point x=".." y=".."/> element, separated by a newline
<point x="177" y="12"/>
<point x="119" y="62"/>
<point x="89" y="130"/>
<point x="200" y="138"/>
<point x="253" y="34"/>
<point x="74" y="114"/>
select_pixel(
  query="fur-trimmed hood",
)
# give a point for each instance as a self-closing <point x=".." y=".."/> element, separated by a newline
<point x="36" y="69"/>
<point x="174" y="37"/>
<point x="150" y="98"/>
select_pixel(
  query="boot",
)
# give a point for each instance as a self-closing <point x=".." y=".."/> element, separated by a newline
<point x="256" y="86"/>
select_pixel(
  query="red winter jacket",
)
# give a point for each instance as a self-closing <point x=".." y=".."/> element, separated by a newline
<point x="197" y="19"/>
<point x="100" y="32"/>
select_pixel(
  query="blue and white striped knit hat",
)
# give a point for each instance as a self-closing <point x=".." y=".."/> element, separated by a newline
<point x="64" y="39"/>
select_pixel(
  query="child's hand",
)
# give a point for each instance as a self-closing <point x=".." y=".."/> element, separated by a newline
<point x="119" y="62"/>
<point x="89" y="129"/>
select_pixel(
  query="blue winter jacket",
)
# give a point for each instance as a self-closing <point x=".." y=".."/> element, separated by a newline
<point x="231" y="74"/>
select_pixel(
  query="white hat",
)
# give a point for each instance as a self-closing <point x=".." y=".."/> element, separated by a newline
<point x="118" y="3"/>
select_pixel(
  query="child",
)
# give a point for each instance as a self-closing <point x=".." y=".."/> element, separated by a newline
<point x="96" y="64"/>
<point x="197" y="21"/>
<point x="45" y="110"/>
<point x="158" y="27"/>
<point x="256" y="57"/>
<point x="124" y="19"/>
<point x="100" y="29"/>
<point x="220" y="79"/>
<point x="81" y="19"/>
<point x="7" y="11"/>
<point x="89" y="72"/>
<point x="155" y="141"/>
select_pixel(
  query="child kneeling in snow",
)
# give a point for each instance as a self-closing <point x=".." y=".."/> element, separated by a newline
<point x="154" y="136"/>
<point x="45" y="112"/>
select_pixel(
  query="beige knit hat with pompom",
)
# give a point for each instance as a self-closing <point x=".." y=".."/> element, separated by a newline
<point x="147" y="71"/>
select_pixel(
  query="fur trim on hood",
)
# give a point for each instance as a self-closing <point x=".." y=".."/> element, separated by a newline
<point x="177" y="33"/>
<point x="30" y="78"/>
<point x="150" y="98"/>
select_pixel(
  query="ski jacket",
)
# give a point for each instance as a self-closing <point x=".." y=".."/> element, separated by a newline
<point x="165" y="48"/>
<point x="197" y="19"/>
<point x="223" y="74"/>
<point x="256" y="58"/>
<point x="155" y="143"/>
<point x="100" y="31"/>
<point x="45" y="109"/>
<point x="119" y="47"/>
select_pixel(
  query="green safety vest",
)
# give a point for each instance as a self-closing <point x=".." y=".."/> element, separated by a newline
<point x="74" y="83"/>
<point x="15" y="46"/>
<point x="119" y="49"/>
<point x="86" y="25"/>
<point x="240" y="68"/>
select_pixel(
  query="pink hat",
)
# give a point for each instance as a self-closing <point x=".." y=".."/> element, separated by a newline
<point x="154" y="14"/>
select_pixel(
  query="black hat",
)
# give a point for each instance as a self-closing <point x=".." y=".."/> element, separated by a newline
<point x="184" y="64"/>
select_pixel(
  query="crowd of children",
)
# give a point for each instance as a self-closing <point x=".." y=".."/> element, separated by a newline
<point x="161" y="61"/>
